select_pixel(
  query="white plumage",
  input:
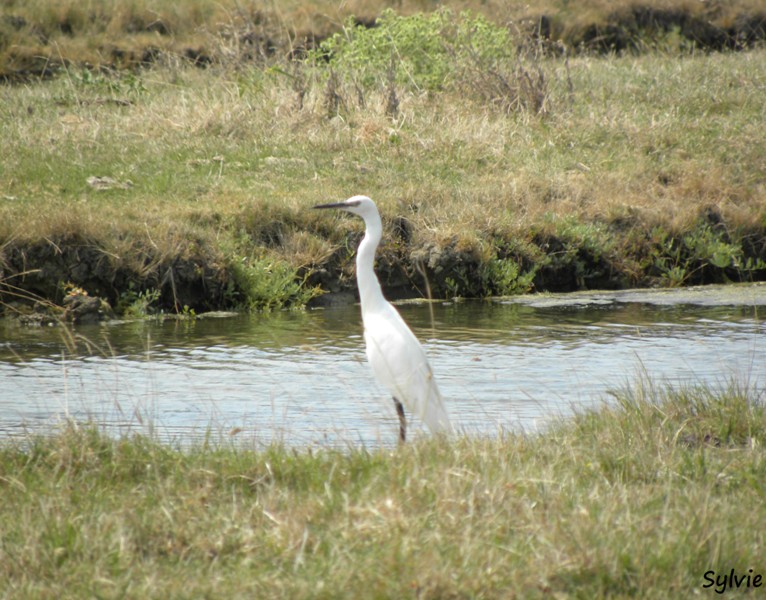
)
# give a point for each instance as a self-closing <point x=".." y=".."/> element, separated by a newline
<point x="394" y="353"/>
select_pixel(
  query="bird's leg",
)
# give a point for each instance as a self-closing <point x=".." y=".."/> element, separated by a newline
<point x="402" y="421"/>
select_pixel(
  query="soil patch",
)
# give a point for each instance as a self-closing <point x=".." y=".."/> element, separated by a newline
<point x="50" y="269"/>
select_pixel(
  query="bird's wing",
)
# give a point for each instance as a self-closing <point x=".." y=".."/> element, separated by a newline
<point x="399" y="363"/>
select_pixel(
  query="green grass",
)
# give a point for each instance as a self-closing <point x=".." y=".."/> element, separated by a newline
<point x="638" y="499"/>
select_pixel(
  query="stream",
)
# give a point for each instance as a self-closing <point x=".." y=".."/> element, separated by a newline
<point x="300" y="377"/>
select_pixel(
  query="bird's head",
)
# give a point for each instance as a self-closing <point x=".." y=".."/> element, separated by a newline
<point x="359" y="205"/>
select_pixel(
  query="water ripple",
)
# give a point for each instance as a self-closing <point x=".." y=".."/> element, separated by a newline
<point x="302" y="378"/>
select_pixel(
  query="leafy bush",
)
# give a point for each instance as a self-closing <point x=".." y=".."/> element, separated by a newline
<point x="435" y="52"/>
<point x="135" y="302"/>
<point x="504" y="277"/>
<point x="413" y="43"/>
<point x="703" y="255"/>
<point x="263" y="284"/>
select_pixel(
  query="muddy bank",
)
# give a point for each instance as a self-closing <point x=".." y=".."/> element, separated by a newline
<point x="62" y="277"/>
<point x="552" y="262"/>
<point x="745" y="294"/>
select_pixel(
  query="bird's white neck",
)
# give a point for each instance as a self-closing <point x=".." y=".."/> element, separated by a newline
<point x="370" y="293"/>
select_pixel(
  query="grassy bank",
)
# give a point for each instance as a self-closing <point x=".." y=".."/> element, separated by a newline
<point x="638" y="500"/>
<point x="177" y="187"/>
<point x="40" y="37"/>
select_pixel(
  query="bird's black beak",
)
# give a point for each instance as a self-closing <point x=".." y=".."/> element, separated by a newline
<point x="331" y="205"/>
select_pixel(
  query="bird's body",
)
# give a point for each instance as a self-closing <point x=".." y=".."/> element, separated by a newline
<point x="408" y="377"/>
<point x="394" y="353"/>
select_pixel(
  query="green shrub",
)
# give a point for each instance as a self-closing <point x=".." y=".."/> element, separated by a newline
<point x="703" y="255"/>
<point x="264" y="284"/>
<point x="435" y="52"/>
<point x="504" y="277"/>
<point x="413" y="43"/>
<point x="135" y="302"/>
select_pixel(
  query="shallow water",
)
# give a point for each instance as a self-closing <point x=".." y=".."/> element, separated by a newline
<point x="301" y="377"/>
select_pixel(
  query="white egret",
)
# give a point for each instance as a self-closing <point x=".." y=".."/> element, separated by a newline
<point x="397" y="358"/>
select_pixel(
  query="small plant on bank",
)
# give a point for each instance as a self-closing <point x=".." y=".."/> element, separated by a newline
<point x="124" y="83"/>
<point x="703" y="255"/>
<point x="266" y="284"/>
<point x="138" y="303"/>
<point x="505" y="277"/>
